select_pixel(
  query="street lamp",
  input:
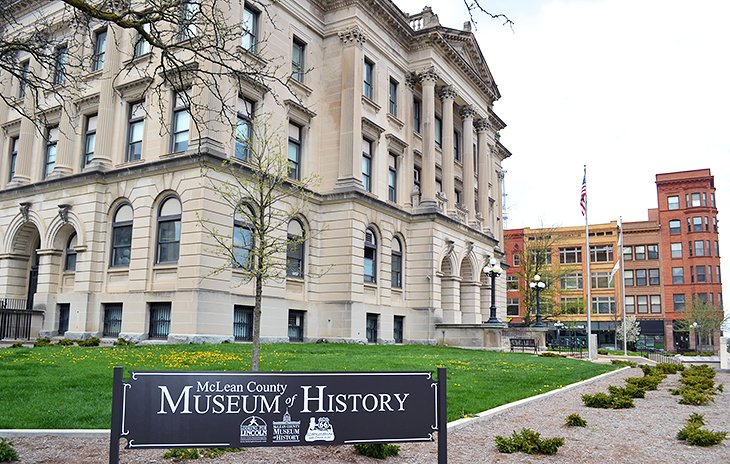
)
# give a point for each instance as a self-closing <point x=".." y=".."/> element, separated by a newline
<point x="494" y="270"/>
<point x="694" y="326"/>
<point x="538" y="285"/>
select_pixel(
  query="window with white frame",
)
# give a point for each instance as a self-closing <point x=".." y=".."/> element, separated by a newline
<point x="69" y="263"/>
<point x="393" y="97"/>
<point x="242" y="242"/>
<point x="629" y="278"/>
<point x="677" y="275"/>
<point x="655" y="302"/>
<point x="135" y="131"/>
<point x="642" y="304"/>
<point x="513" y="282"/>
<point x="142" y="46"/>
<point x="603" y="305"/>
<point x="673" y="202"/>
<point x="601" y="253"/>
<point x="52" y="134"/>
<point x="571" y="281"/>
<point x="180" y="122"/>
<point x="89" y="139"/>
<point x="571" y="255"/>
<point x="59" y="66"/>
<point x="675" y="227"/>
<point x="244" y="128"/>
<point x="295" y="249"/>
<point x="294" y="151"/>
<point x="629" y="305"/>
<point x="393" y="178"/>
<point x="189" y="10"/>
<point x="396" y="264"/>
<point x="367" y="165"/>
<point x="250" y="38"/>
<point x="601" y="280"/>
<point x="513" y="307"/>
<point x="97" y="60"/>
<point x="370" y="254"/>
<point x="367" y="84"/>
<point x="13" y="157"/>
<point x="297" y="59"/>
<point x="168" y="230"/>
<point x="122" y="236"/>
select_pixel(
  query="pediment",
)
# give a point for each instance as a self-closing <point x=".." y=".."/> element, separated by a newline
<point x="462" y="45"/>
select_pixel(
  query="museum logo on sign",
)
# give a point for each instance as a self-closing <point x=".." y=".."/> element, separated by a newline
<point x="253" y="430"/>
<point x="286" y="430"/>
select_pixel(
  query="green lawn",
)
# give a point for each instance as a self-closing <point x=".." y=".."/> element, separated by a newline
<point x="71" y="387"/>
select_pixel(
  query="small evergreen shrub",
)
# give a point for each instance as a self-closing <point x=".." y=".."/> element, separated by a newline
<point x="574" y="420"/>
<point x="695" y="435"/>
<point x="93" y="341"/>
<point x="602" y="351"/>
<point x="694" y="397"/>
<point x="377" y="450"/>
<point x="17" y="345"/>
<point x="123" y="342"/>
<point x="528" y="441"/>
<point x="197" y="453"/>
<point x="645" y="383"/>
<point x="621" y="362"/>
<point x="551" y="354"/>
<point x="699" y="370"/>
<point x="606" y="401"/>
<point x="42" y="342"/>
<point x="669" y="368"/>
<point x="7" y="452"/>
<point x="66" y="342"/>
<point x="632" y="391"/>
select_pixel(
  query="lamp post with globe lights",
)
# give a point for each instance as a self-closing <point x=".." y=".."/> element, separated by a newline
<point x="494" y="270"/>
<point x="538" y="285"/>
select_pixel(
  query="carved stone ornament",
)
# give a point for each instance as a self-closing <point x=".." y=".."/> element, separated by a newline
<point x="25" y="210"/>
<point x="447" y="91"/>
<point x="467" y="111"/>
<point x="352" y="35"/>
<point x="428" y="75"/>
<point x="482" y="125"/>
<point x="63" y="212"/>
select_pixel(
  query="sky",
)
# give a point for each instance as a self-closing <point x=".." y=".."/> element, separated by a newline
<point x="628" y="88"/>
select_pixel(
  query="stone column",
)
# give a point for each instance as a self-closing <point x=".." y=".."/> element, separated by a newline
<point x="65" y="150"/>
<point x="467" y="115"/>
<point x="428" y="169"/>
<point x="28" y="135"/>
<point x="498" y="225"/>
<point x="451" y="299"/>
<point x="108" y="109"/>
<point x="470" y="306"/>
<point x="405" y="170"/>
<point x="482" y="126"/>
<point x="348" y="177"/>
<point x="448" y="94"/>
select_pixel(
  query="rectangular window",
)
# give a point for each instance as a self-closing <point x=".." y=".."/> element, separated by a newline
<point x="704" y="199"/>
<point x="572" y="255"/>
<point x="653" y="276"/>
<point x="367" y="84"/>
<point x="701" y="274"/>
<point x="513" y="307"/>
<point x="718" y="280"/>
<point x="457" y="146"/>
<point x="513" y="282"/>
<point x="392" y="178"/>
<point x="676" y="249"/>
<point x="601" y="280"/>
<point x="112" y="320"/>
<point x="697" y="224"/>
<point x="13" y="157"/>
<point x="652" y="251"/>
<point x="701" y="297"/>
<point x="398" y="324"/>
<point x="640" y="252"/>
<point x="52" y="134"/>
<point x="603" y="305"/>
<point x="656" y="304"/>
<point x="629" y="278"/>
<point x="295" y="151"/>
<point x="641" y="280"/>
<point x="629" y="305"/>
<point x="63" y="315"/>
<point x="89" y="139"/>
<point x="601" y="253"/>
<point x="642" y="304"/>
<point x="699" y="248"/>
<point x="97" y="61"/>
<point x="540" y="257"/>
<point x="297" y="60"/>
<point x="679" y="302"/>
<point x="24" y="70"/>
<point x="371" y="327"/>
<point x="367" y="165"/>
<point x="696" y="200"/>
<point x="244" y="128"/>
<point x="677" y="275"/>
<point x="571" y="305"/>
<point x="370" y="262"/>
<point x="249" y="41"/>
<point x="135" y="131"/>
<point x="189" y="10"/>
<point x="159" y="327"/>
<point x="572" y="281"/>
<point x="393" y="97"/>
<point x="242" y="245"/>
<point x="712" y="200"/>
<point x="417" y="179"/>
<point x="416" y="115"/>
<point x="675" y="227"/>
<point x="59" y="65"/>
<point x="295" y="249"/>
<point x="516" y="259"/>
<point x="243" y="323"/>
<point x="628" y="253"/>
<point x="438" y="131"/>
<point x="142" y="46"/>
<point x="180" y="122"/>
<point x="673" y="202"/>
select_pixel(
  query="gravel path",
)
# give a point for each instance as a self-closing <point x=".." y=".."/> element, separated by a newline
<point x="645" y="434"/>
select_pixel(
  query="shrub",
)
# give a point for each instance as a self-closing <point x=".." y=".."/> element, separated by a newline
<point x="695" y="435"/>
<point x="605" y="401"/>
<point x="123" y="342"/>
<point x="700" y="383"/>
<point x="93" y="341"/>
<point x="17" y="345"/>
<point x="574" y="420"/>
<point x="7" y="452"/>
<point x="377" y="450"/>
<point x="668" y="368"/>
<point x="182" y="453"/>
<point x="699" y="370"/>
<point x="632" y="391"/>
<point x="694" y="397"/>
<point x="42" y="342"/>
<point x="621" y="362"/>
<point x="645" y="383"/>
<point x="66" y="342"/>
<point x="551" y="354"/>
<point x="602" y="351"/>
<point x="528" y="441"/>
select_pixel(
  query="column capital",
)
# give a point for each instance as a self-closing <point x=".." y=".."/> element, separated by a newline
<point x="353" y="35"/>
<point x="467" y="111"/>
<point x="447" y="92"/>
<point x="428" y="75"/>
<point x="482" y="125"/>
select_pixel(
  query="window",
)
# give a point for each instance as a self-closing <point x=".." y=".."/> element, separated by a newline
<point x="677" y="275"/>
<point x="63" y="314"/>
<point x="249" y="41"/>
<point x="653" y="276"/>
<point x="159" y="320"/>
<point x="513" y="282"/>
<point x="572" y="305"/>
<point x="707" y="224"/>
<point x="242" y="323"/>
<point x="122" y="236"/>
<point x="97" y="61"/>
<point x="540" y="257"/>
<point x="396" y="264"/>
<point x="295" y="151"/>
<point x="641" y="278"/>
<point x="717" y="273"/>
<point x="51" y="148"/>
<point x="571" y="255"/>
<point x="168" y="231"/>
<point x="673" y="202"/>
<point x="188" y="15"/>
<point x="393" y="178"/>
<point x="652" y="251"/>
<point x="601" y="280"/>
<point x="180" y="122"/>
<point x="60" y="62"/>
<point x="367" y="165"/>
<point x="676" y="250"/>
<point x="371" y="327"/>
<point x="457" y="146"/>
<point x="393" y="97"/>
<point x="13" y="157"/>
<point x="701" y="274"/>
<point x="438" y="131"/>
<point x="696" y="200"/>
<point x="629" y="305"/>
<point x="704" y="199"/>
<point x="142" y="46"/>
<point x="135" y="131"/>
<point x="398" y="323"/>
<point x="370" y="257"/>
<point x="642" y="304"/>
<point x="714" y="224"/>
<point x="89" y="139"/>
<point x="295" y="249"/>
<point x="296" y="326"/>
<point x="242" y="242"/>
<point x="640" y="252"/>
<point x="699" y="248"/>
<point x="679" y="302"/>
<point x="112" y="320"/>
<point x="601" y="253"/>
<point x="69" y="264"/>
<point x="655" y="304"/>
<point x="417" y="115"/>
<point x="367" y="86"/>
<point x="675" y="227"/>
<point x="628" y="253"/>
<point x="572" y="281"/>
<point x="516" y="259"/>
<point x="297" y="60"/>
<point x="701" y="297"/>
<point x="513" y="307"/>
<point x="244" y="128"/>
<point x="629" y="278"/>
<point x="697" y="224"/>
<point x="712" y="200"/>
<point x="24" y="70"/>
<point x="603" y="305"/>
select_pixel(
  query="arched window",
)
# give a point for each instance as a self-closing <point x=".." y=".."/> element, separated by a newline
<point x="122" y="236"/>
<point x="168" y="230"/>
<point x="295" y="249"/>
<point x="70" y="262"/>
<point x="242" y="242"/>
<point x="396" y="264"/>
<point x="370" y="261"/>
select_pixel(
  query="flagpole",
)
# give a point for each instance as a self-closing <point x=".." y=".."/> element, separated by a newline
<point x="623" y="284"/>
<point x="588" y="265"/>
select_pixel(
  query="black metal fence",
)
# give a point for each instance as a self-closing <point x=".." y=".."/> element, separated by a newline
<point x="659" y="356"/>
<point x="15" y="318"/>
<point x="573" y="345"/>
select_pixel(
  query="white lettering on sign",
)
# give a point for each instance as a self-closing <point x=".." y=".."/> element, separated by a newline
<point x="349" y="402"/>
<point x="215" y="404"/>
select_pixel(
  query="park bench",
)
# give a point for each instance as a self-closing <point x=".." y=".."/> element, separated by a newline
<point x="522" y="344"/>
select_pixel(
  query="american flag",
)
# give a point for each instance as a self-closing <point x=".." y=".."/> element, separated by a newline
<point x="583" y="195"/>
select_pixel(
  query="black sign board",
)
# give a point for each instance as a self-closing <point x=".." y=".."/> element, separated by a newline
<point x="247" y="409"/>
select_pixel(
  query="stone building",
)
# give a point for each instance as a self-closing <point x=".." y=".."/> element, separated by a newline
<point x="100" y="207"/>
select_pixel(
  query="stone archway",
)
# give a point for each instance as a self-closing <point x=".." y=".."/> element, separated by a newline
<point x="450" y="292"/>
<point x="19" y="267"/>
<point x="469" y="293"/>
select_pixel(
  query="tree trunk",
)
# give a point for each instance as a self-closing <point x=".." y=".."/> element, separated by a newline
<point x="256" y="346"/>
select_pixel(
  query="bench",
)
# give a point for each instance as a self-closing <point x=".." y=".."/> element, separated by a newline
<point x="522" y="344"/>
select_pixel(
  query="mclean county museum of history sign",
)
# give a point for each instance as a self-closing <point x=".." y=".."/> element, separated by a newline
<point x="246" y="409"/>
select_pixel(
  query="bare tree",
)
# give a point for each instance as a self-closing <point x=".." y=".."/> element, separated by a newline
<point x="476" y="8"/>
<point x="264" y="200"/>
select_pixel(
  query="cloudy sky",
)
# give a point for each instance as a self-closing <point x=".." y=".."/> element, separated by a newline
<point x="628" y="88"/>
